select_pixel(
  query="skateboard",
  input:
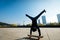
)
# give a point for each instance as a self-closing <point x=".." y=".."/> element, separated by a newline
<point x="35" y="36"/>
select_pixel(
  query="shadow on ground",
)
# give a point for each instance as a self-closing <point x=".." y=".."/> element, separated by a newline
<point x="26" y="38"/>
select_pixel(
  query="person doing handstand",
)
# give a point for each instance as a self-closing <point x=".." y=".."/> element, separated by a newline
<point x="34" y="26"/>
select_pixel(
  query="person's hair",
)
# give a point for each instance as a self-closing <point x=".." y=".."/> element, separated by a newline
<point x="34" y="29"/>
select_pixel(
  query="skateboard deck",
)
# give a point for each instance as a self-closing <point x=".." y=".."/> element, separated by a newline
<point x="36" y="36"/>
<point x="27" y="38"/>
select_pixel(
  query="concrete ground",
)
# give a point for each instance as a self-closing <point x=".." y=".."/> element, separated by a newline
<point x="20" y="33"/>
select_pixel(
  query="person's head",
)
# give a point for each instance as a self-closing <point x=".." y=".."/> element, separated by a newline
<point x="34" y="29"/>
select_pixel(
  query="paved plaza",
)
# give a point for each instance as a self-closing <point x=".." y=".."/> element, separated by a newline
<point x="20" y="33"/>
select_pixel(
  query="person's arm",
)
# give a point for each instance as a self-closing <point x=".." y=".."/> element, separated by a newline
<point x="29" y="16"/>
<point x="40" y="14"/>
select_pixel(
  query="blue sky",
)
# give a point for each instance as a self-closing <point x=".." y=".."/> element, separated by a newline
<point x="13" y="11"/>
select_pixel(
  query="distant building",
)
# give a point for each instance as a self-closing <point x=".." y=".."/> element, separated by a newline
<point x="43" y="19"/>
<point x="39" y="21"/>
<point x="58" y="17"/>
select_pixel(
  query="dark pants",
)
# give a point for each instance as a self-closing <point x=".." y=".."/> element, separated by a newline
<point x="37" y="29"/>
